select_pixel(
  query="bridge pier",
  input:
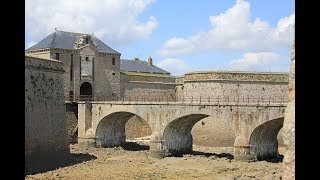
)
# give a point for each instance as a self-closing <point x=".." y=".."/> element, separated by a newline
<point x="84" y="143"/>
<point x="156" y="145"/>
<point x="242" y="149"/>
<point x="114" y="140"/>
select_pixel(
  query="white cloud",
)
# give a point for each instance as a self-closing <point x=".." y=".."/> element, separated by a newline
<point x="233" y="30"/>
<point x="114" y="21"/>
<point x="31" y="43"/>
<point x="174" y="66"/>
<point x="261" y="61"/>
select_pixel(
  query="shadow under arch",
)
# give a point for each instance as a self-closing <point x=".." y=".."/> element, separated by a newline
<point x="110" y="130"/>
<point x="263" y="140"/>
<point x="177" y="134"/>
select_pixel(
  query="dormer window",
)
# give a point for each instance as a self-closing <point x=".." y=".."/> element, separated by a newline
<point x="87" y="40"/>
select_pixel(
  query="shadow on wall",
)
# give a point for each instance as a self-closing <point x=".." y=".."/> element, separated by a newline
<point x="73" y="158"/>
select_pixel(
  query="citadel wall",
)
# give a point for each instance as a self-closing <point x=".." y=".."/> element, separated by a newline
<point x="46" y="138"/>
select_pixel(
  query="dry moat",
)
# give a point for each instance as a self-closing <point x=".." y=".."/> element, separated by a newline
<point x="132" y="162"/>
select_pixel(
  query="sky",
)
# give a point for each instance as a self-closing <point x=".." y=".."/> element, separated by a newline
<point x="181" y="36"/>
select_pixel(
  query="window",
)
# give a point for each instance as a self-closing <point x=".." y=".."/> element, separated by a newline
<point x="113" y="73"/>
<point x="113" y="61"/>
<point x="86" y="67"/>
<point x="57" y="56"/>
<point x="87" y="40"/>
<point x="71" y="68"/>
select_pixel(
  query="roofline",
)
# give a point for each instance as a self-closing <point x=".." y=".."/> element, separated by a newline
<point x="49" y="49"/>
<point x="77" y="33"/>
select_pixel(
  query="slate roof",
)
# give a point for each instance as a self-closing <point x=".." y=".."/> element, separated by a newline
<point x="140" y="66"/>
<point x="65" y="40"/>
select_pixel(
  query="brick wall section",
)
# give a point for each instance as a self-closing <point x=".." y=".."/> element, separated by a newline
<point x="46" y="138"/>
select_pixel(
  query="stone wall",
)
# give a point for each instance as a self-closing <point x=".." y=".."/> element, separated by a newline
<point x="40" y="54"/>
<point x="107" y="77"/>
<point x="147" y="87"/>
<point x="215" y="132"/>
<point x="289" y="125"/>
<point x="137" y="127"/>
<point x="236" y="84"/>
<point x="72" y="121"/>
<point x="106" y="80"/>
<point x="179" y="87"/>
<point x="46" y="138"/>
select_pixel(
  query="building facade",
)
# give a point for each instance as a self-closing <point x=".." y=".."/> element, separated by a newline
<point x="92" y="69"/>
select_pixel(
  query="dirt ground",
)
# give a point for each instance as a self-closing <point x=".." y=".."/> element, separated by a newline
<point x="132" y="162"/>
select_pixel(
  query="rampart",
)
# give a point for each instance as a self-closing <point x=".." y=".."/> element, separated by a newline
<point x="46" y="138"/>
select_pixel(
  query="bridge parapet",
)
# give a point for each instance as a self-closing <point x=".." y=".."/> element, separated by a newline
<point x="218" y="99"/>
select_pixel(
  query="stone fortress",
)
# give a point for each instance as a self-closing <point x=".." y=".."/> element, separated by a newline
<point x="94" y="71"/>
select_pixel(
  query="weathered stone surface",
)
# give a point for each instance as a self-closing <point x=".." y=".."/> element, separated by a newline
<point x="289" y="125"/>
<point x="46" y="138"/>
<point x="137" y="127"/>
<point x="147" y="87"/>
<point x="173" y="123"/>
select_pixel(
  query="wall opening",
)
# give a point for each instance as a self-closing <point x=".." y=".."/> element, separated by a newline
<point x="111" y="132"/>
<point x="136" y="127"/>
<point x="177" y="134"/>
<point x="263" y="141"/>
<point x="213" y="132"/>
<point x="86" y="91"/>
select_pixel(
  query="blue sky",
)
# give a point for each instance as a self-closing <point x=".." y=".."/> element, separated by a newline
<point x="181" y="36"/>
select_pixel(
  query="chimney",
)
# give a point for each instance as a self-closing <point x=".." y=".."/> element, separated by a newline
<point x="150" y="61"/>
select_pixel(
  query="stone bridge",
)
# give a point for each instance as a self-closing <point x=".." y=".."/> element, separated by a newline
<point x="256" y="125"/>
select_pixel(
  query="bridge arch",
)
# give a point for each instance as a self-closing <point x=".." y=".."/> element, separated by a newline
<point x="110" y="131"/>
<point x="263" y="140"/>
<point x="177" y="134"/>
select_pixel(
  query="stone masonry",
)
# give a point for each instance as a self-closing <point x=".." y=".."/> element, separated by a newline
<point x="152" y="87"/>
<point x="90" y="62"/>
<point x="102" y="124"/>
<point x="289" y="125"/>
<point x="233" y="84"/>
<point x="46" y="138"/>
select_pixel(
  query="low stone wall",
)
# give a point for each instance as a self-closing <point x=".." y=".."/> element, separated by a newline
<point x="46" y="138"/>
